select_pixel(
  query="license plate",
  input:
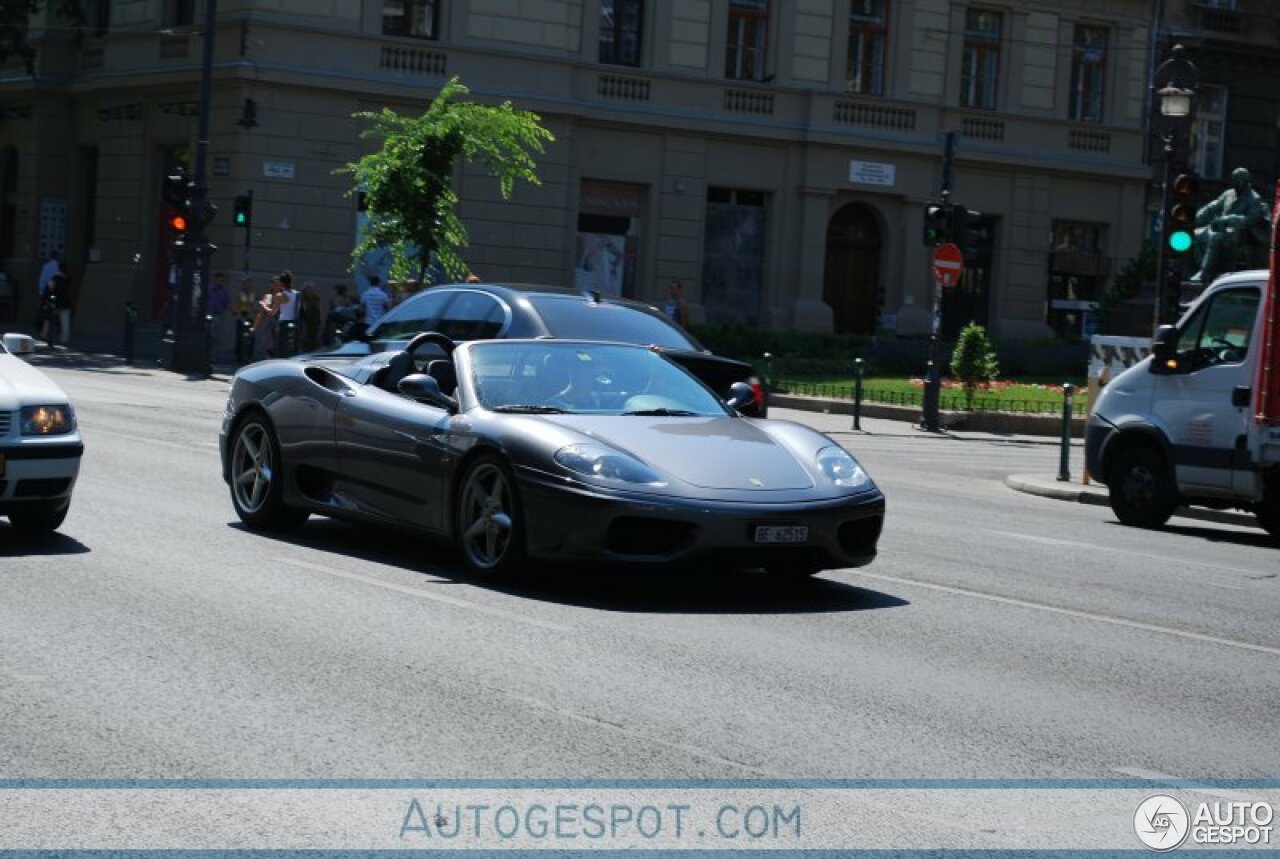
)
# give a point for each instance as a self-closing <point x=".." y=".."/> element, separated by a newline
<point x="781" y="533"/>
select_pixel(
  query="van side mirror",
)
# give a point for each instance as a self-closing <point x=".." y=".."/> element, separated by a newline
<point x="740" y="394"/>
<point x="420" y="386"/>
<point x="1164" y="350"/>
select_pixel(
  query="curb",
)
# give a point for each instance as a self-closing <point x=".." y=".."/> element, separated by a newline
<point x="1097" y="495"/>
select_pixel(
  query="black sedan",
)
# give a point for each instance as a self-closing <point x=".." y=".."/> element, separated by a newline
<point x="552" y="449"/>
<point x="475" y="311"/>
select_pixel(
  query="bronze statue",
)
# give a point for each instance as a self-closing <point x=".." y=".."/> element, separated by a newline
<point x="1232" y="231"/>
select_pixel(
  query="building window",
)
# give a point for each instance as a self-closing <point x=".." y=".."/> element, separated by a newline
<point x="180" y="13"/>
<point x="981" y="58"/>
<point x="1088" y="73"/>
<point x="416" y="18"/>
<point x="99" y="17"/>
<point x="748" y="37"/>
<point x="868" y="36"/>
<point x="1208" y="130"/>
<point x="733" y="256"/>
<point x="620" y="25"/>
<point x="1077" y="272"/>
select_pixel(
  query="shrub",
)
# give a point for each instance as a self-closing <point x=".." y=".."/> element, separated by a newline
<point x="974" y="361"/>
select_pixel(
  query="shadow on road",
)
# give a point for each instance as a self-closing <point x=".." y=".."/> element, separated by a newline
<point x="16" y="544"/>
<point x="1257" y="538"/>
<point x="611" y="587"/>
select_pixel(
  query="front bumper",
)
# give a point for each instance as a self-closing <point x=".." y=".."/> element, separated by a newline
<point x="569" y="521"/>
<point x="38" y="471"/>
<point x="1097" y="435"/>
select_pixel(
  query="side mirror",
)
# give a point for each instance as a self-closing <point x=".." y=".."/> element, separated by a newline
<point x="20" y="344"/>
<point x="422" y="387"/>
<point x="1164" y="350"/>
<point x="740" y="394"/>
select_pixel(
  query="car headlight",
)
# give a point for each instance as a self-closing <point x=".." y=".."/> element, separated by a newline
<point x="596" y="460"/>
<point x="841" y="468"/>
<point x="47" y="420"/>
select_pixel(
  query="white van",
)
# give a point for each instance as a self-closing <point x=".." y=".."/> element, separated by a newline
<point x="1198" y="421"/>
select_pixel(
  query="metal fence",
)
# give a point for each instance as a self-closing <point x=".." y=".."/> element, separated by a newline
<point x="948" y="401"/>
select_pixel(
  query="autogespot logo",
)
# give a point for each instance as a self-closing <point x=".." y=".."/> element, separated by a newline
<point x="1161" y="822"/>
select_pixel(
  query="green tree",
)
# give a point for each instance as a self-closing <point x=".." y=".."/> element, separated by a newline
<point x="974" y="360"/>
<point x="408" y="181"/>
<point x="15" y="17"/>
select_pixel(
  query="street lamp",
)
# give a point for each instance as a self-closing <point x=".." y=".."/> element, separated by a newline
<point x="1177" y="80"/>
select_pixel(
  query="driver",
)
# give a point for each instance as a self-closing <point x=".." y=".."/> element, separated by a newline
<point x="575" y="374"/>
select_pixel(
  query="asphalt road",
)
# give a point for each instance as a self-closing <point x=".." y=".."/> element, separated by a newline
<point x="998" y="635"/>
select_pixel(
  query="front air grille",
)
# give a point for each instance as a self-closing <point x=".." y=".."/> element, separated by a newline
<point x="859" y="536"/>
<point x="44" y="487"/>
<point x="638" y="535"/>
<point x="6" y="422"/>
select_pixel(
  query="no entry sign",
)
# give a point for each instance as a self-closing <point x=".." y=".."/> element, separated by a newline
<point x="948" y="264"/>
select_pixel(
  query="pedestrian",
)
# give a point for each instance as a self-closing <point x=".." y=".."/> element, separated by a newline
<point x="340" y="315"/>
<point x="309" y="318"/>
<point x="218" y="307"/>
<point x="58" y="292"/>
<point x="675" y="308"/>
<point x="52" y="266"/>
<point x="373" y="302"/>
<point x="287" y="318"/>
<point x="267" y="321"/>
<point x="245" y="307"/>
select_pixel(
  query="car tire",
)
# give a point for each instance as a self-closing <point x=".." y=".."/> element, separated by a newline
<point x="488" y="522"/>
<point x="1142" y="493"/>
<point x="257" y="477"/>
<point x="39" y="518"/>
<point x="1268" y="513"/>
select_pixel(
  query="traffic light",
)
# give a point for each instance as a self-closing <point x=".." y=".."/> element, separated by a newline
<point x="1180" y="219"/>
<point x="243" y="215"/>
<point x="965" y="228"/>
<point x="174" y="188"/>
<point x="936" y="224"/>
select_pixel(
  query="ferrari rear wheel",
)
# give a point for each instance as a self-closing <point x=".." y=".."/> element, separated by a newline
<point x="489" y="524"/>
<point x="257" y="478"/>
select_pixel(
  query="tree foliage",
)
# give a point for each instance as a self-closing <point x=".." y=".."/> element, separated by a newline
<point x="974" y="360"/>
<point x="408" y="182"/>
<point x="15" y="16"/>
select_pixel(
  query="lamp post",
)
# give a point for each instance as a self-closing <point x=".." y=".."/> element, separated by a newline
<point x="1177" y="79"/>
<point x="190" y="350"/>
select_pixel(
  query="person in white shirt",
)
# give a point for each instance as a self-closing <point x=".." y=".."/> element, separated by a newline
<point x="373" y="302"/>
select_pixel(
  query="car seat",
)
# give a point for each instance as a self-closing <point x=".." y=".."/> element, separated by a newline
<point x="443" y="371"/>
<point x="400" y="365"/>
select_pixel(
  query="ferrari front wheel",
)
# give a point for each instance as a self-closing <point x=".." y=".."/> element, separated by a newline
<point x="489" y="523"/>
<point x="257" y="478"/>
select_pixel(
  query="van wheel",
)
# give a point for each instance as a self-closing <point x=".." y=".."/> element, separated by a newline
<point x="1141" y="492"/>
<point x="1268" y="513"/>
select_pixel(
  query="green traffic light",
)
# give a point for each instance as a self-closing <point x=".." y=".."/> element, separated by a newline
<point x="1180" y="241"/>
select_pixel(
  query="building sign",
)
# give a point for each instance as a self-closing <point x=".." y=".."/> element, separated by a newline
<point x="277" y="169"/>
<point x="872" y="173"/>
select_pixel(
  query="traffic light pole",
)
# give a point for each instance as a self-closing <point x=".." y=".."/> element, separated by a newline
<point x="933" y="375"/>
<point x="1162" y="256"/>
<point x="190" y="349"/>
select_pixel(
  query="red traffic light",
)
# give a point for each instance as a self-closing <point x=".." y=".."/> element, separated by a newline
<point x="1185" y="185"/>
<point x="178" y="222"/>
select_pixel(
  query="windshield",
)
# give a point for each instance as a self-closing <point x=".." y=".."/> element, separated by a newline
<point x="571" y="318"/>
<point x="585" y="378"/>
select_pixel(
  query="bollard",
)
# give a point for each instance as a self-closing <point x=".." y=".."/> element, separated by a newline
<point x="130" y="330"/>
<point x="1064" y="473"/>
<point x="857" y="394"/>
<point x="244" y="340"/>
<point x="930" y="402"/>
<point x="285" y="335"/>
<point x="208" y="344"/>
<point x="768" y="371"/>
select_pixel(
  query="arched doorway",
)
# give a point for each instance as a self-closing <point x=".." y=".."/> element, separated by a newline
<point x="851" y="283"/>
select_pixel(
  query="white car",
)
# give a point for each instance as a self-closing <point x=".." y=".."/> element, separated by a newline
<point x="40" y="447"/>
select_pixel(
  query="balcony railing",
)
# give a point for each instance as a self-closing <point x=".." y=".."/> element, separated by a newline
<point x="412" y="61"/>
<point x="621" y="88"/>
<point x="874" y="116"/>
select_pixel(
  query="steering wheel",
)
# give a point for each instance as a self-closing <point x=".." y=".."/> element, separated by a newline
<point x="1227" y="352"/>
<point x="435" y="338"/>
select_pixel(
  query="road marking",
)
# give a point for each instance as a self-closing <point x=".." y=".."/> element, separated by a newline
<point x="1051" y="541"/>
<point x="1069" y="612"/>
<point x="427" y="595"/>
<point x="1153" y="775"/>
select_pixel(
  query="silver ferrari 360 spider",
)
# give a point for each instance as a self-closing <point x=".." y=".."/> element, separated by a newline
<point x="550" y="449"/>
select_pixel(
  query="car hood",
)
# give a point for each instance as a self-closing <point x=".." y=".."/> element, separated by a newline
<point x="709" y="452"/>
<point x="24" y="385"/>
